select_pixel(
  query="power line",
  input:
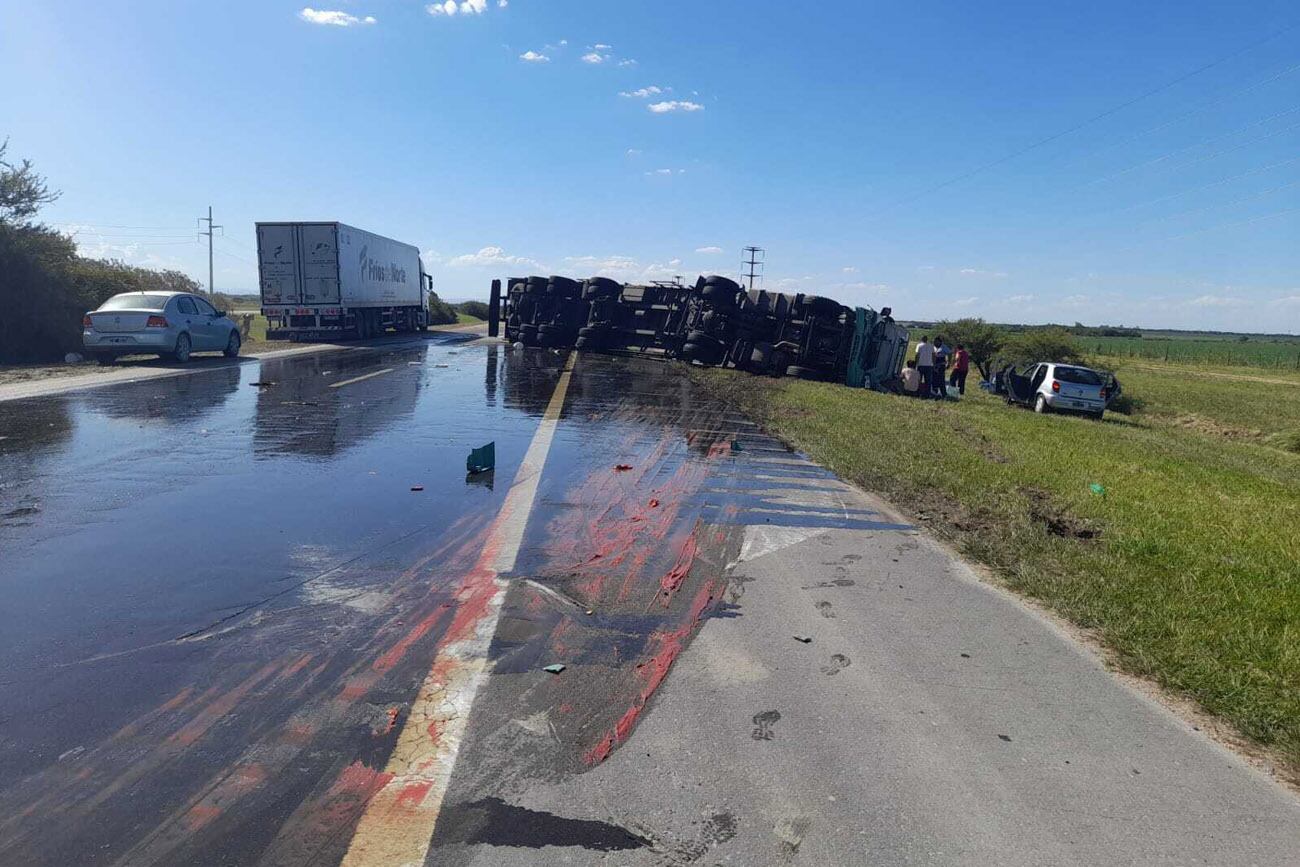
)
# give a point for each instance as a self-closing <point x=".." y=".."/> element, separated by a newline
<point x="1086" y="123"/>
<point x="1250" y="198"/>
<point x="212" y="228"/>
<point x="89" y="225"/>
<point x="1198" y="189"/>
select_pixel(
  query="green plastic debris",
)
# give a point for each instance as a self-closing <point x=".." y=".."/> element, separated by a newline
<point x="1099" y="490"/>
<point x="482" y="459"/>
<point x="555" y="669"/>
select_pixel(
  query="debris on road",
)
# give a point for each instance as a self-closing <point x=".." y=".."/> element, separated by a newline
<point x="803" y="639"/>
<point x="482" y="459"/>
<point x="622" y="468"/>
<point x="261" y="384"/>
<point x="555" y="669"/>
<point x="415" y="489"/>
<point x="1098" y="490"/>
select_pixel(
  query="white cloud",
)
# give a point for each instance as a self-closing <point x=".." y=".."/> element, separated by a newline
<point x="674" y="105"/>
<point x="849" y="269"/>
<point x="600" y="46"/>
<point x="965" y="302"/>
<point x="332" y="18"/>
<point x="634" y="152"/>
<point x="1020" y="299"/>
<point x="978" y="272"/>
<point x="624" y="267"/>
<point x="534" y="57"/>
<point x="492" y="256"/>
<point x="666" y="172"/>
<point x="626" y="62"/>
<point x="594" y="57"/>
<point x="710" y="251"/>
<point x="1288" y="300"/>
<point x="1076" y="300"/>
<point x="1216" y="301"/>
<point x="451" y="8"/>
<point x="644" y="92"/>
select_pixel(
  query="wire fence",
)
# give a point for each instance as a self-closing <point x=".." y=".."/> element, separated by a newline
<point x="1274" y="354"/>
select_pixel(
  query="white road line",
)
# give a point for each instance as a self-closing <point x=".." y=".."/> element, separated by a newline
<point x="398" y="823"/>
<point x="361" y="378"/>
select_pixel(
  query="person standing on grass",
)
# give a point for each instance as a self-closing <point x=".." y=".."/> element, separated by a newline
<point x="925" y="364"/>
<point x="940" y="365"/>
<point x="960" y="367"/>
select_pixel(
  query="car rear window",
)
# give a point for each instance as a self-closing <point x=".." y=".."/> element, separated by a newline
<point x="135" y="301"/>
<point x="1076" y="375"/>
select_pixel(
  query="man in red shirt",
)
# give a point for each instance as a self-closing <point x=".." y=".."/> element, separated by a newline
<point x="960" y="367"/>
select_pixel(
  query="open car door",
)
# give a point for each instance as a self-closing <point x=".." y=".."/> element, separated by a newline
<point x="1019" y="384"/>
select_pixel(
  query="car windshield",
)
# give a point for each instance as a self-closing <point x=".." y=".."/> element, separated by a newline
<point x="135" y="301"/>
<point x="1077" y="375"/>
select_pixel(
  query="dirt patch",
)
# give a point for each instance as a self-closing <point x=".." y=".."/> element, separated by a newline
<point x="1056" y="520"/>
<point x="17" y="373"/>
<point x="1211" y="427"/>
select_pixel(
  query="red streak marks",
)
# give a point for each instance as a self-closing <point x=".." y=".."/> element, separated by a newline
<point x="298" y="733"/>
<point x="177" y="700"/>
<point x="393" y="714"/>
<point x="412" y="794"/>
<point x="297" y="666"/>
<point x="668" y="644"/>
<point x="200" y="815"/>
<point x="654" y="504"/>
<point x="672" y="582"/>
<point x="394" y="655"/>
<point x="208" y="716"/>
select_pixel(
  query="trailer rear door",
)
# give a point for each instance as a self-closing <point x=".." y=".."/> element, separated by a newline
<point x="320" y="263"/>
<point x="277" y="257"/>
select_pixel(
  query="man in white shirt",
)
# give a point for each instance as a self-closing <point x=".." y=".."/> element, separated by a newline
<point x="925" y="364"/>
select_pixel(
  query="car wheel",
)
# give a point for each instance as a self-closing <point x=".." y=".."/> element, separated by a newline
<point x="233" y="345"/>
<point x="1098" y="416"/>
<point x="1040" y="405"/>
<point x="183" y="346"/>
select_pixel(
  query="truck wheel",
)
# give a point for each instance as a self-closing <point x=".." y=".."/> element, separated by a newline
<point x="724" y="283"/>
<point x="700" y="337"/>
<point x="705" y="353"/>
<point x="808" y="373"/>
<point x="760" y="356"/>
<point x="536" y="285"/>
<point x="564" y="287"/>
<point x="722" y="296"/>
<point x="819" y="306"/>
<point x="528" y="335"/>
<point x="601" y="287"/>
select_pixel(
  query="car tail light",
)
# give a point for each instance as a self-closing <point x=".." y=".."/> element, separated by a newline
<point x="1056" y="386"/>
<point x="1103" y="394"/>
<point x="86" y="322"/>
<point x="156" y="322"/>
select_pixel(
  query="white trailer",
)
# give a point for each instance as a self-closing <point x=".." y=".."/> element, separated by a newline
<point x="330" y="280"/>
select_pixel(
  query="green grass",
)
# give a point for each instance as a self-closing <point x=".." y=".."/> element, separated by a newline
<point x="1191" y="576"/>
<point x="1265" y="352"/>
<point x="466" y="319"/>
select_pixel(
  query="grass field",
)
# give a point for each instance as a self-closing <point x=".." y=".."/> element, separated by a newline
<point x="1267" y="352"/>
<point x="1186" y="565"/>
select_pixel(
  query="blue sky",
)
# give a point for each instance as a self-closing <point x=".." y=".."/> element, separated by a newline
<point x="647" y="139"/>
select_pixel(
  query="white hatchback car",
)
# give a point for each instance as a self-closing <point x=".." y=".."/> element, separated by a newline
<point x="1050" y="387"/>
<point x="172" y="324"/>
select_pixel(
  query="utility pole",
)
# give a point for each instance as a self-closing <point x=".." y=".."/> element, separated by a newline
<point x="754" y="261"/>
<point x="211" y="229"/>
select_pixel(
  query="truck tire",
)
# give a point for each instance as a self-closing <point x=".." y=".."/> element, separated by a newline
<point x="564" y="287"/>
<point x="552" y="335"/>
<point x="808" y="373"/>
<point x="709" y="354"/>
<point x="536" y="285"/>
<point x="528" y="335"/>
<point x="719" y="295"/>
<point x="701" y="337"/>
<point x="589" y="344"/>
<point x="816" y="305"/>
<point x="725" y="283"/>
<point x="601" y="287"/>
<point x="760" y="357"/>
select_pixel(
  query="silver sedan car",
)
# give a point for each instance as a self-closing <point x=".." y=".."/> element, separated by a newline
<point x="166" y="324"/>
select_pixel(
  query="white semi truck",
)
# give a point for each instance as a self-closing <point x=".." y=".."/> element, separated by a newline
<point x="322" y="281"/>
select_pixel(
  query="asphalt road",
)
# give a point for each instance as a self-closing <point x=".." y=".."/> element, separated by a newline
<point x="260" y="614"/>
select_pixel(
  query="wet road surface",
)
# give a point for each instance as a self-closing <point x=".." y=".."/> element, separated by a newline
<point x="247" y="612"/>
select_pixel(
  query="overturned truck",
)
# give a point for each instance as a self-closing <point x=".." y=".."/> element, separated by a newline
<point x="713" y="323"/>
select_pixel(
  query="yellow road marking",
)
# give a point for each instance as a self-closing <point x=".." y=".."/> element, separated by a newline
<point x="398" y="823"/>
<point x="361" y="378"/>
